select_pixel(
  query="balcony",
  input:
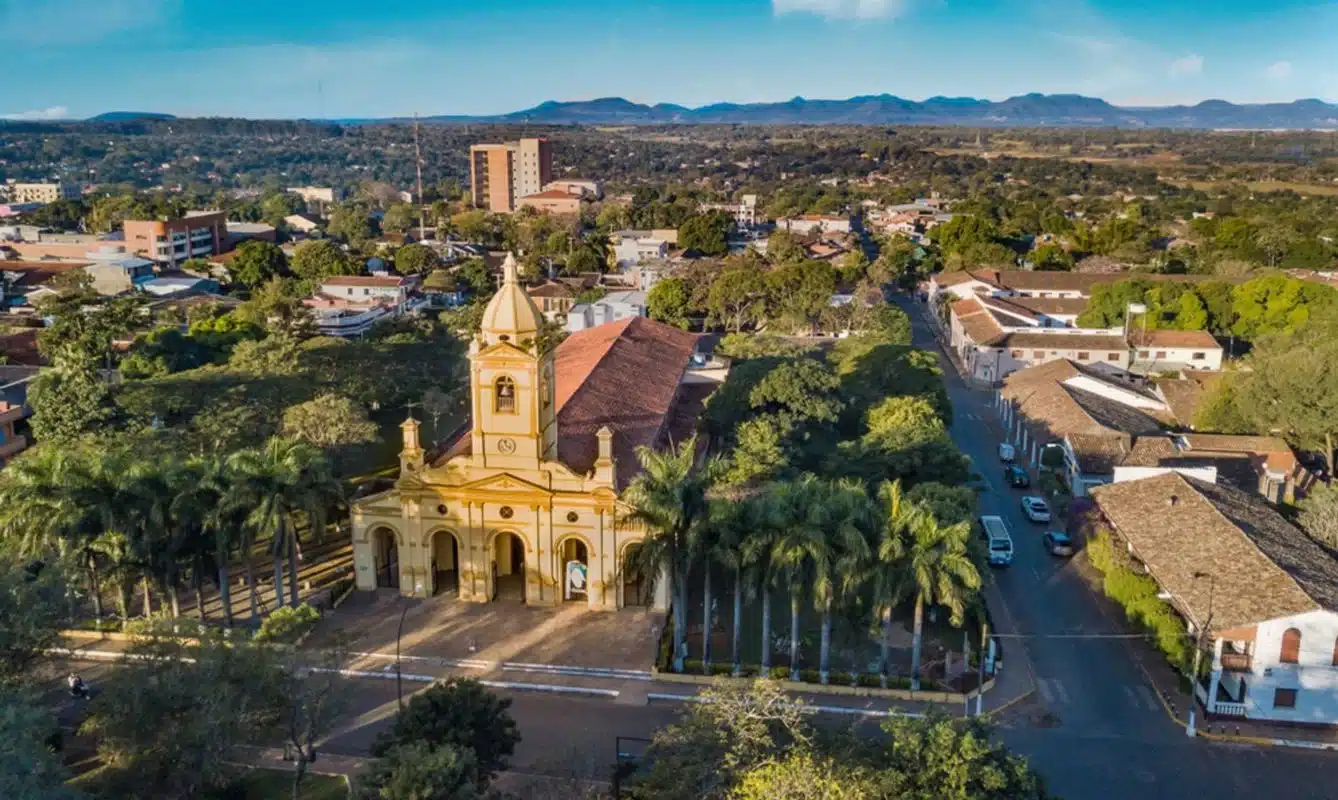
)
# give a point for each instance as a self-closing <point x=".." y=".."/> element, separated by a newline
<point x="1236" y="662"/>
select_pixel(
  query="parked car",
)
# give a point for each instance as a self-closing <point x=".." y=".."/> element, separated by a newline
<point x="1016" y="477"/>
<point x="1058" y="543"/>
<point x="999" y="542"/>
<point x="1035" y="509"/>
<point x="1006" y="452"/>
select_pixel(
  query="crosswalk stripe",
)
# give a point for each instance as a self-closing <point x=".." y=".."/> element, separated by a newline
<point x="1059" y="690"/>
<point x="1151" y="698"/>
<point x="1043" y="685"/>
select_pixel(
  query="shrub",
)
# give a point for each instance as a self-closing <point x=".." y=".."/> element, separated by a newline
<point x="722" y="669"/>
<point x="779" y="673"/>
<point x="164" y="626"/>
<point x="1137" y="595"/>
<point x="286" y="625"/>
<point x="692" y="666"/>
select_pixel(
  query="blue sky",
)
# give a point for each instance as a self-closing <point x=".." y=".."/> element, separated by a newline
<point x="267" y="58"/>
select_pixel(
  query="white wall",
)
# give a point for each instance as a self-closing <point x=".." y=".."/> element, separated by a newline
<point x="1183" y="355"/>
<point x="1315" y="678"/>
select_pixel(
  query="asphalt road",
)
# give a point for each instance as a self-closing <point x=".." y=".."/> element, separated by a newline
<point x="1095" y="728"/>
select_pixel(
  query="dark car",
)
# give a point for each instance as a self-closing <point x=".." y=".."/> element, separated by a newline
<point x="1016" y="477"/>
<point x="1058" y="543"/>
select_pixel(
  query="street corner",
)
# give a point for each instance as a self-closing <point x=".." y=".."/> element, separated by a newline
<point x="1026" y="711"/>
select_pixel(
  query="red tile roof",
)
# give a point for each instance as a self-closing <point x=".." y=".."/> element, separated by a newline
<point x="551" y="194"/>
<point x="366" y="280"/>
<point x="624" y="375"/>
<point x="1164" y="338"/>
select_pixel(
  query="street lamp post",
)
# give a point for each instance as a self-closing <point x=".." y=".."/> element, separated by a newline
<point x="1198" y="651"/>
<point x="399" y="673"/>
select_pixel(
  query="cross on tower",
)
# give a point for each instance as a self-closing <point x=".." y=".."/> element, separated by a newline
<point x="410" y="406"/>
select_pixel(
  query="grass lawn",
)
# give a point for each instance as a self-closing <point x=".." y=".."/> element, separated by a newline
<point x="1329" y="190"/>
<point x="268" y="784"/>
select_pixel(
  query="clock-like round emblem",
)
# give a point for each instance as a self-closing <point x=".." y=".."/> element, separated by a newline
<point x="505" y="512"/>
<point x="505" y="445"/>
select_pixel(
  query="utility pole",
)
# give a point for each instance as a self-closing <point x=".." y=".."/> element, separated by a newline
<point x="418" y="165"/>
<point x="1198" y="652"/>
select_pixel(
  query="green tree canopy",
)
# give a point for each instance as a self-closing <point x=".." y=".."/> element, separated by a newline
<point x="257" y="262"/>
<point x="667" y="302"/>
<point x="319" y="259"/>
<point x="706" y="233"/>
<point x="416" y="259"/>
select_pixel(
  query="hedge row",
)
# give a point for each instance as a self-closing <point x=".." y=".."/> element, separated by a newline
<point x="1137" y="595"/>
<point x="693" y="666"/>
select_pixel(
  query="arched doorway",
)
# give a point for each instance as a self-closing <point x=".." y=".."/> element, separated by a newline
<point x="445" y="555"/>
<point x="508" y="567"/>
<point x="636" y="589"/>
<point x="387" y="558"/>
<point x="574" y="569"/>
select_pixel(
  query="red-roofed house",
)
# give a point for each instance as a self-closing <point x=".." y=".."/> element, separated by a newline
<point x="349" y="305"/>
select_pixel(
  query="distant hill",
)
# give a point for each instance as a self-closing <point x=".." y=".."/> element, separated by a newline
<point x="128" y="116"/>
<point x="1032" y="110"/>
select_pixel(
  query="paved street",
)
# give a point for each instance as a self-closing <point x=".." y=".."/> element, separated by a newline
<point x="1094" y="726"/>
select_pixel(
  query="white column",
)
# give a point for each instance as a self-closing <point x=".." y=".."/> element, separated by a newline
<point x="661" y="602"/>
<point x="1217" y="676"/>
<point x="1035" y="454"/>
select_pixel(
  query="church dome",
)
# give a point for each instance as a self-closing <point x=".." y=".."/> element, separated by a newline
<point x="511" y="312"/>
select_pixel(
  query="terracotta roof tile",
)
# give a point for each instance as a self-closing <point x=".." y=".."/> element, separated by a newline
<point x="624" y="375"/>
<point x="1262" y="566"/>
<point x="1164" y="338"/>
<point x="366" y="280"/>
<point x="1097" y="454"/>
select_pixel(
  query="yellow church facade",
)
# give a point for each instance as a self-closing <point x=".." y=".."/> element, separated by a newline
<point x="524" y="506"/>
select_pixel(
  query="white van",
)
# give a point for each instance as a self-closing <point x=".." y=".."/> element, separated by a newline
<point x="998" y="540"/>
<point x="1006" y="453"/>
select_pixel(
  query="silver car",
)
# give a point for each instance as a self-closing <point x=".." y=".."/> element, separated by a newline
<point x="1035" y="509"/>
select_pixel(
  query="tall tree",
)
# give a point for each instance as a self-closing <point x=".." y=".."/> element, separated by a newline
<point x="668" y="500"/>
<point x="257" y="262"/>
<point x="941" y="572"/>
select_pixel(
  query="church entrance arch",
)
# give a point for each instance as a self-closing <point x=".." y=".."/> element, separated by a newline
<point x="636" y="589"/>
<point x="445" y="554"/>
<point x="387" y="558"/>
<point x="508" y="567"/>
<point x="573" y="569"/>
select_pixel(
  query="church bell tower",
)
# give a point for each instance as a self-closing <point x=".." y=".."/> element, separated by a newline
<point x="512" y="382"/>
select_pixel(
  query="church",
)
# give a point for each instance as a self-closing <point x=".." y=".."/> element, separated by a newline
<point x="523" y="506"/>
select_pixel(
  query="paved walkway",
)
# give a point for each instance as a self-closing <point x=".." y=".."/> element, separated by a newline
<point x="443" y="627"/>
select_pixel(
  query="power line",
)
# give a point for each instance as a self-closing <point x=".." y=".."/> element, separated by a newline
<point x="1069" y="635"/>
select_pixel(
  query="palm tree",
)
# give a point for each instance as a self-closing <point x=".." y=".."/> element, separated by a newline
<point x="222" y="526"/>
<point x="845" y="513"/>
<point x="941" y="572"/>
<point x="668" y="499"/>
<point x="802" y="554"/>
<point x="285" y="477"/>
<point x="888" y="577"/>
<point x="735" y="521"/>
<point x="38" y="517"/>
<point x="757" y="554"/>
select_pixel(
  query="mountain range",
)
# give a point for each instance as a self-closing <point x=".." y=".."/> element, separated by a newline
<point x="1029" y="110"/>
<point x="1061" y="110"/>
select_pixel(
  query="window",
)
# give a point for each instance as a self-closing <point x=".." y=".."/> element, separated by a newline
<point x="1161" y="355"/>
<point x="1143" y="354"/>
<point x="1291" y="647"/>
<point x="366" y="292"/>
<point x="1284" y="698"/>
<point x="1038" y="354"/>
<point x="1016" y="354"/>
<point x="1084" y="356"/>
<point x="1199" y="356"/>
<point x="1112" y="356"/>
<point x="504" y="395"/>
<point x="1335" y="653"/>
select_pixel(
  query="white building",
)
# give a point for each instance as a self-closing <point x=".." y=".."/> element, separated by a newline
<point x="1258" y="593"/>
<point x="996" y="336"/>
<point x="576" y="187"/>
<point x="634" y="247"/>
<point x="611" y="308"/>
<point x="40" y="192"/>
<point x="1171" y="351"/>
<point x="349" y="305"/>
<point x="819" y="223"/>
<point x="744" y="212"/>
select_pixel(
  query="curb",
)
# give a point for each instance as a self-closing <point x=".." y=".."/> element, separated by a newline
<point x="511" y="685"/>
<point x="1009" y="704"/>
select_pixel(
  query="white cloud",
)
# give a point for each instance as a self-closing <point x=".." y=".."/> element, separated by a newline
<point x="1282" y="69"/>
<point x="1189" y="65"/>
<point x="38" y="114"/>
<point x="842" y="9"/>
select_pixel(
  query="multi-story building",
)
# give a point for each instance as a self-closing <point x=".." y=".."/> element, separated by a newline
<point x="350" y="305"/>
<point x="744" y="212"/>
<point x="40" y="192"/>
<point x="501" y="174"/>
<point x="199" y="234"/>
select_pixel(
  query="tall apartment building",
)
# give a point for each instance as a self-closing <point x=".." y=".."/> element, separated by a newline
<point x="501" y="174"/>
<point x="198" y="234"/>
<point x="40" y="192"/>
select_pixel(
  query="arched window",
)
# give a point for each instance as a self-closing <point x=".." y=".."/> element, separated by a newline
<point x="1291" y="647"/>
<point x="1335" y="653"/>
<point x="504" y="395"/>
